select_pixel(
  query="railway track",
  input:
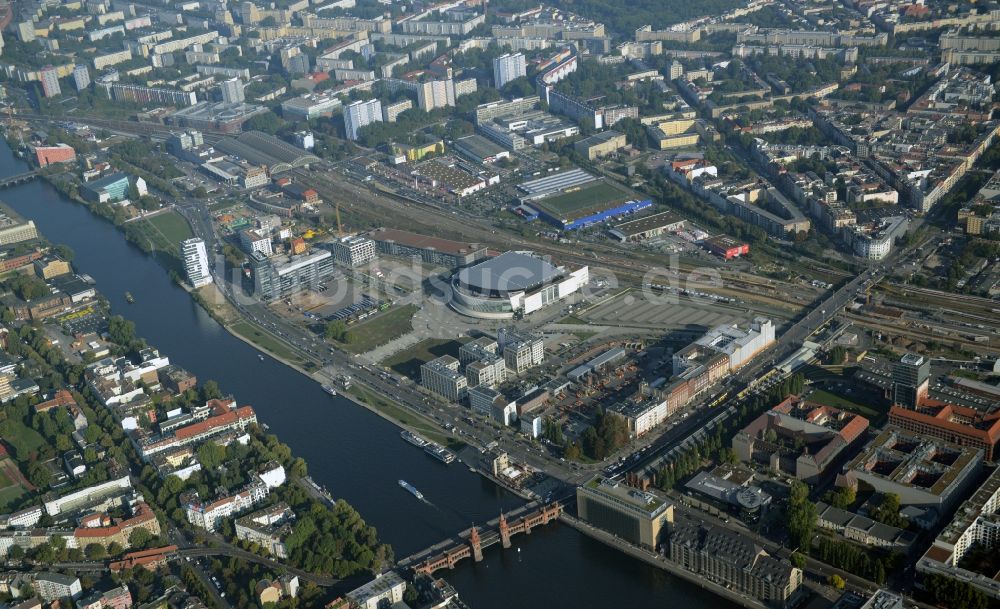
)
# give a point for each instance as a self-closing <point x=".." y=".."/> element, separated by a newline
<point x="625" y="263"/>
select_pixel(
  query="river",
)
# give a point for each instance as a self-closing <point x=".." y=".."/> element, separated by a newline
<point x="354" y="453"/>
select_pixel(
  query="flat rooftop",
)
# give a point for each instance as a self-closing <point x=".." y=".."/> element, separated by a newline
<point x="642" y="500"/>
<point x="648" y="223"/>
<point x="478" y="146"/>
<point x="408" y="239"/>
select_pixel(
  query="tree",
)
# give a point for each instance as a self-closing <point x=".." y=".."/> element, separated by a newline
<point x="95" y="551"/>
<point x="15" y="553"/>
<point x="801" y="515"/>
<point x="267" y="122"/>
<point x="843" y="497"/>
<point x="211" y="455"/>
<point x="410" y="596"/>
<point x="139" y="538"/>
<point x="210" y="390"/>
<point x="337" y="330"/>
<point x="64" y="251"/>
<point x="798" y="560"/>
<point x="299" y="469"/>
<point x="836" y="356"/>
<point x="887" y="511"/>
<point x="836" y="581"/>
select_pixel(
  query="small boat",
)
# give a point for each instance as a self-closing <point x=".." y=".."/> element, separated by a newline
<point x="129" y="298"/>
<point x="412" y="489"/>
<point x="329" y="389"/>
<point x="260" y="357"/>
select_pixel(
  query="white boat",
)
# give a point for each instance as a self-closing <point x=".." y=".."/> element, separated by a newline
<point x="413" y="439"/>
<point x="413" y="490"/>
<point x="439" y="452"/>
<point x="260" y="357"/>
<point x="329" y="389"/>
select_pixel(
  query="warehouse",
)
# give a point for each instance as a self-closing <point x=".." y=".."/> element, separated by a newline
<point x="726" y="246"/>
<point x="648" y="227"/>
<point x="480" y="150"/>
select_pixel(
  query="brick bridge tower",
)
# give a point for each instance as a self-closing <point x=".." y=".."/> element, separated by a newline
<point x="504" y="531"/>
<point x="474" y="542"/>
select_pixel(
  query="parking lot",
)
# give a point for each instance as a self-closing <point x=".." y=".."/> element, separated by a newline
<point x="668" y="312"/>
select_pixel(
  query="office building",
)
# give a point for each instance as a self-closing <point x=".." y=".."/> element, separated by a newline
<point x="507" y="68"/>
<point x="441" y="376"/>
<point x="600" y="145"/>
<point x="910" y="380"/>
<point x="929" y="476"/>
<point x="282" y="276"/>
<point x="520" y="351"/>
<point x="81" y="77"/>
<point x="109" y="189"/>
<point x="253" y="240"/>
<point x="310" y="106"/>
<point x="799" y="438"/>
<point x="232" y="91"/>
<point x="488" y="371"/>
<point x="431" y="250"/>
<point x="729" y="559"/>
<point x="359" y="114"/>
<point x="195" y="262"/>
<point x="636" y="516"/>
<point x="384" y="591"/>
<point x="49" y="78"/>
<point x="353" y="250"/>
<point x="952" y="423"/>
<point x="643" y="415"/>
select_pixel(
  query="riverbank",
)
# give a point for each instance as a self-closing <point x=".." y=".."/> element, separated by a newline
<point x="355" y="453"/>
<point x="214" y="303"/>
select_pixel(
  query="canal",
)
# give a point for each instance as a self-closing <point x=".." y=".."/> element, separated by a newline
<point x="357" y="455"/>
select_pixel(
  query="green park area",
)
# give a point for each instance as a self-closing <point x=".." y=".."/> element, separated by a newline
<point x="161" y="234"/>
<point x="379" y="329"/>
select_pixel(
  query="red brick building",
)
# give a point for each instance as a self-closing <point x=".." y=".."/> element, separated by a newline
<point x="61" y="153"/>
<point x="951" y="423"/>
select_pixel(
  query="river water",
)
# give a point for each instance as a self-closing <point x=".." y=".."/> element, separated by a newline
<point x="354" y="453"/>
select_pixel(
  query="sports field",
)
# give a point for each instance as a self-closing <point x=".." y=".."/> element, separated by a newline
<point x="590" y="198"/>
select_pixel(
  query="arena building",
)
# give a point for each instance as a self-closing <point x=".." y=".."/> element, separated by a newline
<point x="513" y="283"/>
